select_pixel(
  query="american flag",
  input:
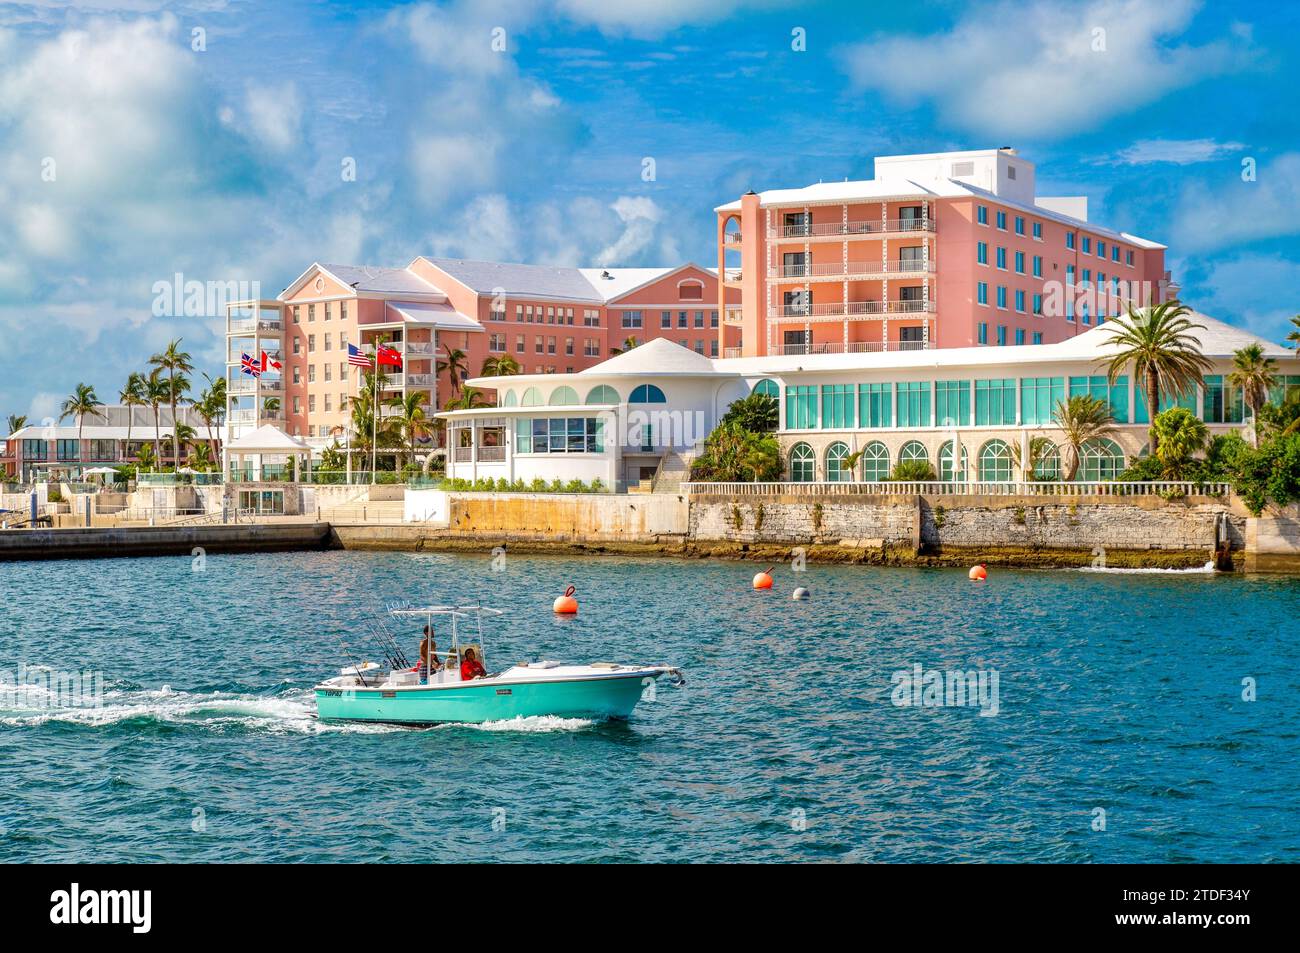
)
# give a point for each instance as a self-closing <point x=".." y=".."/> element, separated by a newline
<point x="356" y="357"/>
<point x="250" y="365"/>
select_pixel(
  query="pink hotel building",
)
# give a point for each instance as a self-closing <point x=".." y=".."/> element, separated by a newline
<point x="942" y="250"/>
<point x="950" y="249"/>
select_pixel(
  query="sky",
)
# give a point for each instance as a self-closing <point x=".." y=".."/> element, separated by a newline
<point x="228" y="141"/>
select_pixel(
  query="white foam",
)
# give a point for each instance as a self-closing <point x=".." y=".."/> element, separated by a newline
<point x="535" y="723"/>
<point x="1207" y="569"/>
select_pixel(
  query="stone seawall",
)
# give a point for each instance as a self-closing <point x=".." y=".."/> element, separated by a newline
<point x="92" y="543"/>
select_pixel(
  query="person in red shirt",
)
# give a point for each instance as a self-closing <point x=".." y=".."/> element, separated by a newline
<point x="471" y="667"/>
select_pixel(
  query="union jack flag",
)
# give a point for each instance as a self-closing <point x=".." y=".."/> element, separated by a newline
<point x="250" y="366"/>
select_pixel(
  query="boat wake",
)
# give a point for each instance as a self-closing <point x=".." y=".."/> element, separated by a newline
<point x="289" y="712"/>
<point x="534" y="723"/>
<point x="1206" y="570"/>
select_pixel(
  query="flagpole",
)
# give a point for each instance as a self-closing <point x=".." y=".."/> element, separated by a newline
<point x="374" y="421"/>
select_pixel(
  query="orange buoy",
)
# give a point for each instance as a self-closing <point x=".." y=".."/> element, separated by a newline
<point x="978" y="573"/>
<point x="764" y="579"/>
<point x="566" y="604"/>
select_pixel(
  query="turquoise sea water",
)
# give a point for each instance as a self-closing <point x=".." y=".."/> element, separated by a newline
<point x="1115" y="691"/>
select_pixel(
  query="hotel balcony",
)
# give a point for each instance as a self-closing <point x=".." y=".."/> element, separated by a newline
<point x="248" y="385"/>
<point x="419" y="380"/>
<point x="853" y="347"/>
<point x="838" y="270"/>
<point x="417" y="348"/>
<point x="732" y="316"/>
<point x="731" y="278"/>
<point x="850" y="310"/>
<point x="873" y="228"/>
<point x="253" y="416"/>
<point x="732" y="238"/>
<point x="243" y="327"/>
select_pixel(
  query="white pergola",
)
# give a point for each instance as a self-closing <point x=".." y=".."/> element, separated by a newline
<point x="267" y="441"/>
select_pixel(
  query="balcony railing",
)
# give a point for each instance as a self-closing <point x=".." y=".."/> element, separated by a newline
<point x="850" y="229"/>
<point x="731" y="238"/>
<point x="419" y="380"/>
<point x="251" y="416"/>
<point x="851" y="309"/>
<point x="840" y="268"/>
<point x="731" y="352"/>
<point x="419" y="347"/>
<point x="853" y="347"/>
<point x="731" y="276"/>
<point x="247" y="385"/>
<point x="732" y="316"/>
<point x="953" y="488"/>
<point x="259" y="325"/>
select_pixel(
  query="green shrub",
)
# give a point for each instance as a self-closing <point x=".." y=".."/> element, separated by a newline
<point x="912" y="471"/>
<point x="575" y="486"/>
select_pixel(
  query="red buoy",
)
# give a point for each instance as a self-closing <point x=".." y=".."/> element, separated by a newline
<point x="978" y="573"/>
<point x="764" y="579"/>
<point x="566" y="604"/>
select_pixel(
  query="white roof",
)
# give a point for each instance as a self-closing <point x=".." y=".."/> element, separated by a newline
<point x="442" y="316"/>
<point x="658" y="356"/>
<point x="611" y="283"/>
<point x="594" y="285"/>
<point x="267" y="439"/>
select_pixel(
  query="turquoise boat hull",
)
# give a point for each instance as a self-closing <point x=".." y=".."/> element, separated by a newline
<point x="479" y="701"/>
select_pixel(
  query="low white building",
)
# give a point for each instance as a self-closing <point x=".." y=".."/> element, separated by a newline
<point x="642" y="415"/>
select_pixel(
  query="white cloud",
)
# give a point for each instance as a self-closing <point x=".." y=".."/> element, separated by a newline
<point x="1050" y="67"/>
<point x="1252" y="290"/>
<point x="1174" y="151"/>
<point x="649" y="18"/>
<point x="274" y="114"/>
<point x="1225" y="211"/>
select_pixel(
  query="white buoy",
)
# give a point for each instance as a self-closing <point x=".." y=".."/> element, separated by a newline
<point x="800" y="594"/>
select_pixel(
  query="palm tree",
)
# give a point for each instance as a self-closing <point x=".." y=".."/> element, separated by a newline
<point x="145" y="458"/>
<point x="1294" y="336"/>
<point x="211" y="405"/>
<point x="271" y="405"/>
<point x="131" y="396"/>
<point x="412" y="420"/>
<point x="83" y="401"/>
<point x="501" y="365"/>
<point x="177" y="364"/>
<point x="1158" y="346"/>
<point x="628" y="343"/>
<point x="454" y="365"/>
<point x="1039" y="448"/>
<point x="201" y="456"/>
<point x="156" y="393"/>
<point x="17" y="422"/>
<point x="1255" y="374"/>
<point x="468" y="399"/>
<point x="1082" y="419"/>
<point x="1182" y="436"/>
<point x="183" y="436"/>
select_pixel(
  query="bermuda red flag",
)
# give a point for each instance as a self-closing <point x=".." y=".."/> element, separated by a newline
<point x="389" y="356"/>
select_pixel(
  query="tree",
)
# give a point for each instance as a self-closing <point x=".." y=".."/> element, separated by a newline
<point x="1255" y="374"/>
<point x="146" y="458"/>
<point x="468" y="399"/>
<point x="500" y="365"/>
<point x="733" y="454"/>
<point x="201" y="456"/>
<point x="1181" y="436"/>
<point x="629" y="342"/>
<point x="16" y="423"/>
<point x="176" y="363"/>
<point x="156" y="393"/>
<point x="454" y="366"/>
<point x="183" y="436"/>
<point x="211" y="405"/>
<point x="1039" y="448"/>
<point x="1157" y="345"/>
<point x="82" y="402"/>
<point x="913" y="471"/>
<point x="411" y="420"/>
<point x="1082" y="419"/>
<point x="757" y="413"/>
<point x="131" y="396"/>
<point x="1270" y="473"/>
<point x="1294" y="336"/>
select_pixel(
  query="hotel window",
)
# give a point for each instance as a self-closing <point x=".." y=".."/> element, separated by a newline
<point x="995" y="402"/>
<point x="343" y="310"/>
<point x="591" y="318"/>
<point x="1002" y="258"/>
<point x="1002" y="335"/>
<point x="550" y="345"/>
<point x="1101" y="249"/>
<point x="983" y="332"/>
<point x="568" y="346"/>
<point x="699" y="346"/>
<point x="699" y="319"/>
<point x="801" y="407"/>
<point x="343" y="370"/>
<point x="297" y="344"/>
<point x="329" y="372"/>
<point x="1114" y="253"/>
<point x="982" y="214"/>
<point x="295" y="315"/>
<point x="560" y="435"/>
<point x="311" y="373"/>
<point x="1069" y="240"/>
<point x="311" y="313"/>
<point x="1020" y="263"/>
<point x="1038" y="305"/>
<point x="1002" y="220"/>
<point x="1020" y="225"/>
<point x="952" y="403"/>
<point x="683" y="319"/>
<point x="327" y="342"/>
<point x="328" y="407"/>
<point x="1087" y="245"/>
<point x="297" y="405"/>
<point x="1002" y="297"/>
<point x="1038" y="266"/>
<point x="982" y="292"/>
<point x="328" y="315"/>
<point x="297" y="377"/>
<point x="1222" y="405"/>
<point x="1069" y="276"/>
<point x="311" y="344"/>
<point x="66" y="449"/>
<point x="497" y="343"/>
<point x="1020" y="302"/>
<point x="1099" y="387"/>
<point x="496" y="313"/>
<point x="713" y="348"/>
<point x="591" y="347"/>
<point x="1020" y="335"/>
<point x="665" y="319"/>
<point x="1128" y="259"/>
<point x="631" y="319"/>
<point x="1038" y="231"/>
<point x="914" y="404"/>
<point x="982" y="253"/>
<point x="568" y="315"/>
<point x="539" y="345"/>
<point x="519" y="312"/>
<point x="875" y="405"/>
<point x="520" y="345"/>
<point x="837" y="406"/>
<point x="550" y="315"/>
<point x="529" y="312"/>
<point x="713" y="319"/>
<point x="1087" y="277"/>
<point x="1038" y="337"/>
<point x="311" y="403"/>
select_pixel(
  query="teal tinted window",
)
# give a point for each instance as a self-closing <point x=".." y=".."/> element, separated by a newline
<point x="875" y="405"/>
<point x="769" y="387"/>
<point x="837" y="406"/>
<point x="1039" y="397"/>
<point x="803" y="464"/>
<point x="952" y="403"/>
<point x="875" y="462"/>
<point x="995" y="402"/>
<point x="801" y="407"/>
<point x="914" y="404"/>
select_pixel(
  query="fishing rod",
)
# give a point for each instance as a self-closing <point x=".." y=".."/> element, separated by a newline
<point x="382" y="633"/>
<point x="356" y="666"/>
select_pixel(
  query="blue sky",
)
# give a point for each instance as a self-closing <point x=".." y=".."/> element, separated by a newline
<point x="224" y="163"/>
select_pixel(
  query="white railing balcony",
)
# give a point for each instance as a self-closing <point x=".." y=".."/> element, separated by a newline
<point x="491" y="454"/>
<point x="849" y="309"/>
<point x="252" y="416"/>
<point x="418" y="347"/>
<point x="731" y="277"/>
<point x="731" y="352"/>
<point x="731" y="238"/>
<point x="255" y="326"/>
<point x="419" y="380"/>
<point x="250" y="385"/>
<point x="836" y="269"/>
<point x="876" y="226"/>
<point x="853" y="347"/>
<point x="732" y="316"/>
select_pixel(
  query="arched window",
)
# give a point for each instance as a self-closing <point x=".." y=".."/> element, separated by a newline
<point x="510" y="399"/>
<point x="532" y="398"/>
<point x="647" y="394"/>
<point x="875" y="462"/>
<point x="1047" y="461"/>
<point x="946" y="473"/>
<point x="803" y="463"/>
<point x="1102" y="460"/>
<point x="995" y="462"/>
<point x="564" y="397"/>
<point x="836" y="471"/>
<point x="769" y="387"/>
<point x="603" y="394"/>
<point x="913" y="450"/>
